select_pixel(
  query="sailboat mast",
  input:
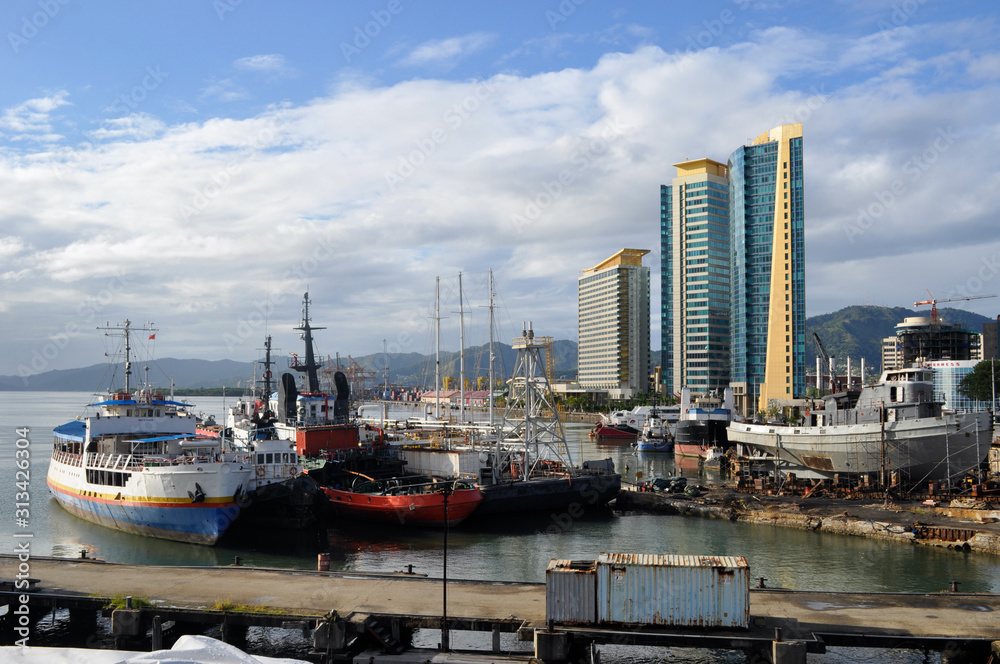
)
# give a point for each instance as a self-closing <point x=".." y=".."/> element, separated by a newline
<point x="461" y="353"/>
<point x="128" y="356"/>
<point x="489" y="387"/>
<point x="437" y="348"/>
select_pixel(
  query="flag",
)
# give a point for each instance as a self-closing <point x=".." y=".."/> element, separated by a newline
<point x="152" y="336"/>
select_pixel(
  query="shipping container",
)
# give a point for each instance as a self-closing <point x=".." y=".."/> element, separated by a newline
<point x="571" y="591"/>
<point x="673" y="591"/>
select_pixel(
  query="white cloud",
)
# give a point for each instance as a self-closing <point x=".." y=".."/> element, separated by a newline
<point x="133" y="126"/>
<point x="271" y="63"/>
<point x="225" y="89"/>
<point x="364" y="195"/>
<point x="32" y="119"/>
<point x="446" y="51"/>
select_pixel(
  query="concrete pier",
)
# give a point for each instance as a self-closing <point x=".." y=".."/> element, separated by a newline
<point x="341" y="608"/>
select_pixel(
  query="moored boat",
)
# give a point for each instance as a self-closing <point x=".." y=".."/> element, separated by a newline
<point x="895" y="427"/>
<point x="138" y="465"/>
<point x="414" y="501"/>
<point x="702" y="426"/>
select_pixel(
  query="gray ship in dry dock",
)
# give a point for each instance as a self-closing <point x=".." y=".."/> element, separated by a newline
<point x="895" y="427"/>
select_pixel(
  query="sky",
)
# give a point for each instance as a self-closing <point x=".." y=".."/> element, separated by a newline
<point x="202" y="164"/>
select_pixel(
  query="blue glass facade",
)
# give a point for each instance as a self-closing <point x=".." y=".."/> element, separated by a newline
<point x="694" y="278"/>
<point x="666" y="287"/>
<point x="760" y="187"/>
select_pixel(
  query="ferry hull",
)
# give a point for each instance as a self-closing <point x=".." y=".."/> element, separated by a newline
<point x="153" y="514"/>
<point x="925" y="449"/>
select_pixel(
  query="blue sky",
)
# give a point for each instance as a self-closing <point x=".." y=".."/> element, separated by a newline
<point x="201" y="164"/>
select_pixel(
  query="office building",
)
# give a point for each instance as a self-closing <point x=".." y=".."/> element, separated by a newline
<point x="767" y="306"/>
<point x="613" y="350"/>
<point x="694" y="278"/>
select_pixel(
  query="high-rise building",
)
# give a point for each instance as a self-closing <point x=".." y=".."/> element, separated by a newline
<point x="694" y="278"/>
<point x="768" y="296"/>
<point x="613" y="350"/>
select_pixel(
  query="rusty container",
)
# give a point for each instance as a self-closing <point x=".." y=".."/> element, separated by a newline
<point x="673" y="591"/>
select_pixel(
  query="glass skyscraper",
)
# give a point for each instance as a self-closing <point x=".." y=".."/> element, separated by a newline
<point x="767" y="305"/>
<point x="694" y="278"/>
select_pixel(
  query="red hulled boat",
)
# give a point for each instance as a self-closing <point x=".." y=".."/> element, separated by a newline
<point x="418" y="501"/>
<point x="604" y="431"/>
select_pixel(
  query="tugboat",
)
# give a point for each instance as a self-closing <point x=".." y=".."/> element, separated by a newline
<point x="139" y="466"/>
<point x="702" y="425"/>
<point x="657" y="434"/>
<point x="309" y="419"/>
<point x="280" y="495"/>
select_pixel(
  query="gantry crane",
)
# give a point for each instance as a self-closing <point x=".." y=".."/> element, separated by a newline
<point x="933" y="302"/>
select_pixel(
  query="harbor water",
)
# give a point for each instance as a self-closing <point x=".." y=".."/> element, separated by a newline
<point x="509" y="549"/>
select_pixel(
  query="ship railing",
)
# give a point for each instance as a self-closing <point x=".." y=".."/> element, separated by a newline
<point x="68" y="458"/>
<point x="112" y="461"/>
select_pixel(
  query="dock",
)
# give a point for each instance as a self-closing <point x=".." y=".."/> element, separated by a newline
<point x="384" y="608"/>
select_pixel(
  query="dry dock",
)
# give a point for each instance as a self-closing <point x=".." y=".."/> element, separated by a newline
<point x="404" y="602"/>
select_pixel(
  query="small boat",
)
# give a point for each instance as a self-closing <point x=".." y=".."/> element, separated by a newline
<point x="605" y="431"/>
<point x="655" y="444"/>
<point x="414" y="501"/>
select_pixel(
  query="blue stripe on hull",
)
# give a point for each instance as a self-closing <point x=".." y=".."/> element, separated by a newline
<point x="201" y="524"/>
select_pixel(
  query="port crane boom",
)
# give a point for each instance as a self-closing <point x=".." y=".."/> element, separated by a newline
<point x="933" y="302"/>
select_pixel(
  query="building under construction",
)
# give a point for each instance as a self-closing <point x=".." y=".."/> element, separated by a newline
<point x="921" y="339"/>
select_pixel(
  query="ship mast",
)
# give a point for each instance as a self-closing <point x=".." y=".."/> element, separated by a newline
<point x="125" y="330"/>
<point x="266" y="376"/>
<point x="491" y="377"/>
<point x="461" y="353"/>
<point x="437" y="348"/>
<point x="310" y="366"/>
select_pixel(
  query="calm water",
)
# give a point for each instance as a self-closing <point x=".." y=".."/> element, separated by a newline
<point x="515" y="549"/>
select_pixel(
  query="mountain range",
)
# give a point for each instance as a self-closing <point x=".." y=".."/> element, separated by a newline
<point x="855" y="331"/>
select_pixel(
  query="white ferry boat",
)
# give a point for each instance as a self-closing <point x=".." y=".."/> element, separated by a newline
<point x="138" y="465"/>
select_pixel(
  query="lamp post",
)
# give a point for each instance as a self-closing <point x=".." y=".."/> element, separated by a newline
<point x="445" y="646"/>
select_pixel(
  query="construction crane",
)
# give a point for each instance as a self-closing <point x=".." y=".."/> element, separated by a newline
<point x="933" y="302"/>
<point x="826" y="362"/>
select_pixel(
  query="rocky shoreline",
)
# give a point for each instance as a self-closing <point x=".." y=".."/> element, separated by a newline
<point x="962" y="525"/>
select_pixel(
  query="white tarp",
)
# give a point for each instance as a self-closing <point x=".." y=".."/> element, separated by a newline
<point x="188" y="650"/>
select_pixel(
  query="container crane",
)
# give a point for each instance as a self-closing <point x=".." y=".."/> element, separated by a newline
<point x="933" y="302"/>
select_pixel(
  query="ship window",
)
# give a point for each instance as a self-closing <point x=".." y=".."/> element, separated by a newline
<point x="892" y="394"/>
<point x="260" y="458"/>
<point x="270" y="458"/>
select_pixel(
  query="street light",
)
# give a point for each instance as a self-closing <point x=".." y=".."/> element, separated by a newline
<point x="446" y="491"/>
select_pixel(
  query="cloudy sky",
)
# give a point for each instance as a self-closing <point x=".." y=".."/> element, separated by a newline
<point x="200" y="164"/>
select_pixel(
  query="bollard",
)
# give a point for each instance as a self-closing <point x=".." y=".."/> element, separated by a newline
<point x="954" y="586"/>
<point x="323" y="562"/>
<point x="157" y="633"/>
<point x="788" y="652"/>
<point x="237" y="561"/>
